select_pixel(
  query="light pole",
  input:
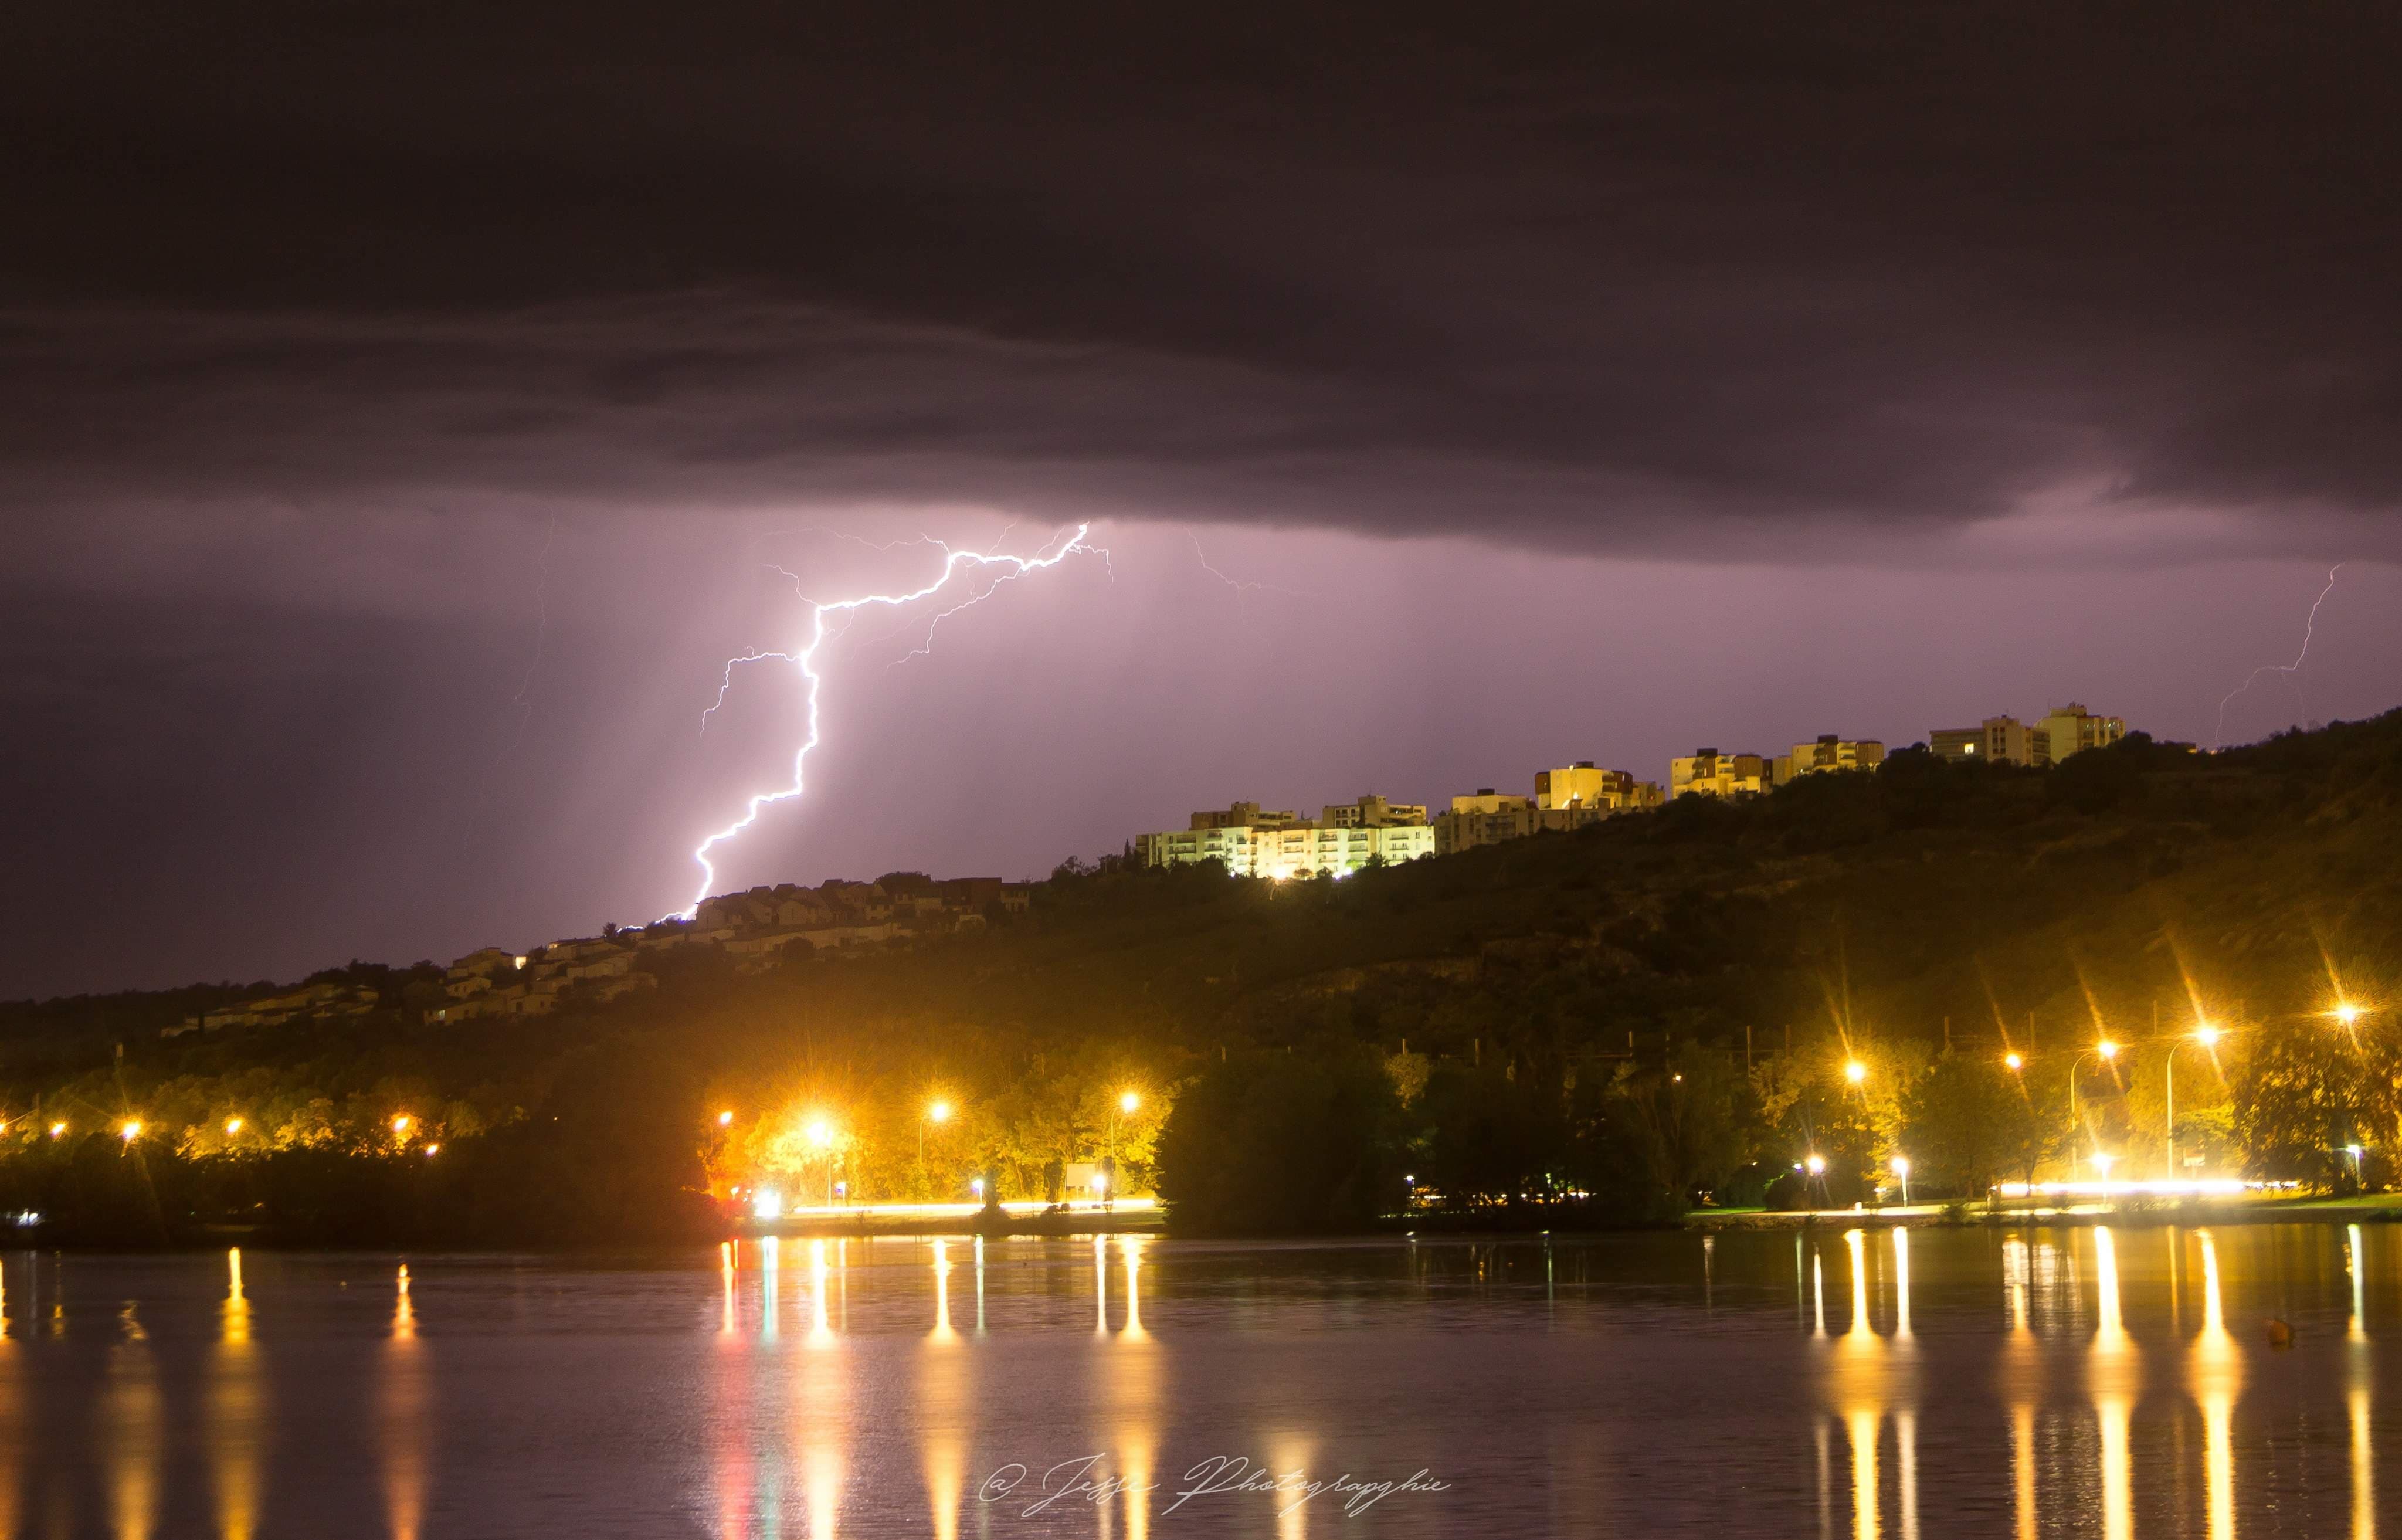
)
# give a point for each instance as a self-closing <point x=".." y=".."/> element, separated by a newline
<point x="2104" y="1052"/>
<point x="1901" y="1169"/>
<point x="1126" y="1103"/>
<point x="1817" y="1166"/>
<point x="936" y="1111"/>
<point x="820" y="1133"/>
<point x="2207" y="1036"/>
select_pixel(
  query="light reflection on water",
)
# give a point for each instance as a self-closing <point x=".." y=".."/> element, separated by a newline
<point x="1850" y="1381"/>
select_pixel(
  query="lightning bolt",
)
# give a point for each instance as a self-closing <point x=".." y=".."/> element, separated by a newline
<point x="1001" y="566"/>
<point x="1243" y="588"/>
<point x="2288" y="670"/>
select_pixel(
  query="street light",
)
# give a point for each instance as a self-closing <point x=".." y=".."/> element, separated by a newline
<point x="725" y="1119"/>
<point x="400" y="1126"/>
<point x="1856" y="1071"/>
<point x="2107" y="1050"/>
<point x="129" y="1130"/>
<point x="57" y="1129"/>
<point x="820" y="1133"/>
<point x="2347" y="1015"/>
<point x="232" y="1127"/>
<point x="1901" y="1169"/>
<point x="2102" y="1163"/>
<point x="1128" y="1102"/>
<point x="936" y="1111"/>
<point x="2207" y="1036"/>
<point x="2012" y="1062"/>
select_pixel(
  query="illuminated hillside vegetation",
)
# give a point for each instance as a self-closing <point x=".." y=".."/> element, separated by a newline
<point x="1264" y="1026"/>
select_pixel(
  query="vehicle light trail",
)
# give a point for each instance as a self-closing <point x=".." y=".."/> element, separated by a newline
<point x="1002" y="567"/>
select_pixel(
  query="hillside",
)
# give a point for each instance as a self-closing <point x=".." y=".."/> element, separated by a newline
<point x="1869" y="916"/>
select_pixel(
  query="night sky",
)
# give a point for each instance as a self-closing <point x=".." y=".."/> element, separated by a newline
<point x="405" y="411"/>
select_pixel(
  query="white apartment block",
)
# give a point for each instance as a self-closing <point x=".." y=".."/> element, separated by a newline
<point x="1252" y="842"/>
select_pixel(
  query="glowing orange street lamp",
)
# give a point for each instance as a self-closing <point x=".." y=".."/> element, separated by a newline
<point x="937" y="1111"/>
<point x="232" y="1127"/>
<point x="1856" y="1071"/>
<point x="57" y="1129"/>
<point x="820" y="1133"/>
<point x="129" y="1130"/>
<point x="402" y="1124"/>
<point x="725" y="1119"/>
<point x="2013" y="1062"/>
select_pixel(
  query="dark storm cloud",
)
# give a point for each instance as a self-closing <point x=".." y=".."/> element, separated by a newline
<point x="1625" y="280"/>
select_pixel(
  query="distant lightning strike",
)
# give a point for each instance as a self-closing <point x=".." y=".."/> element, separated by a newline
<point x="2288" y="670"/>
<point x="1243" y="588"/>
<point x="1006" y="567"/>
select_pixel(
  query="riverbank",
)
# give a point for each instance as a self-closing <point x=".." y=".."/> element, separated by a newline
<point x="2367" y="1208"/>
<point x="1142" y="1218"/>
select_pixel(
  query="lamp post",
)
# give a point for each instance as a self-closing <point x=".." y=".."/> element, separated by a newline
<point x="1126" y="1103"/>
<point x="2207" y="1036"/>
<point x="2102" y="1051"/>
<point x="820" y="1133"/>
<point x="936" y="1111"/>
<point x="1817" y="1166"/>
<point x="1901" y="1169"/>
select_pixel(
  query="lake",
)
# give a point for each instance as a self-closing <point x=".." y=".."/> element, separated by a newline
<point x="2019" y="1382"/>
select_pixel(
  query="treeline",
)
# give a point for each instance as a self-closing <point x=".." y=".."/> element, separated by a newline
<point x="1601" y="1026"/>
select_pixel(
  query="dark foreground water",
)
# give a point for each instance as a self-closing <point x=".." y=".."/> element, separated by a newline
<point x="1943" y="1382"/>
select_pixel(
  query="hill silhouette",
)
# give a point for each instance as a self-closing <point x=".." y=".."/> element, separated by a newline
<point x="1608" y="1022"/>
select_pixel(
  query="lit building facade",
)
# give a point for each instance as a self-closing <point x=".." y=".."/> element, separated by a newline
<point x="1707" y="773"/>
<point x="1828" y="753"/>
<point x="2007" y="740"/>
<point x="2073" y="729"/>
<point x="1582" y="785"/>
<point x="1252" y="842"/>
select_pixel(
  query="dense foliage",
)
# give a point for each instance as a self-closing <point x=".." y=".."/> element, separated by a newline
<point x="1597" y="1027"/>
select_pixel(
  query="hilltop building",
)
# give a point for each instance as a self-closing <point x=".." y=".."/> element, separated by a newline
<point x="1828" y="753"/>
<point x="1252" y="842"/>
<point x="2073" y="729"/>
<point x="1564" y="799"/>
<point x="2006" y="740"/>
<point x="1580" y="785"/>
<point x="1707" y="773"/>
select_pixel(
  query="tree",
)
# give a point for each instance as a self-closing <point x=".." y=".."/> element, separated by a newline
<point x="1276" y="1144"/>
<point x="2299" y="1096"/>
<point x="1971" y="1123"/>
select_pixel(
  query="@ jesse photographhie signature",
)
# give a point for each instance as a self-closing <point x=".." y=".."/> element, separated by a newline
<point x="1219" y="1475"/>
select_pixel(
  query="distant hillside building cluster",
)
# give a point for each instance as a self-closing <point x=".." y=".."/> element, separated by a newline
<point x="311" y="1002"/>
<point x="2007" y="740"/>
<point x="751" y="926"/>
<point x="1252" y="841"/>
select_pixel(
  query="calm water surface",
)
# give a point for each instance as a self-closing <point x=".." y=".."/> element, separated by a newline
<point x="2014" y="1383"/>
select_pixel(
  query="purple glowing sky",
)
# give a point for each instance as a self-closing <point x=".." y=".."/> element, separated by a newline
<point x="399" y="425"/>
